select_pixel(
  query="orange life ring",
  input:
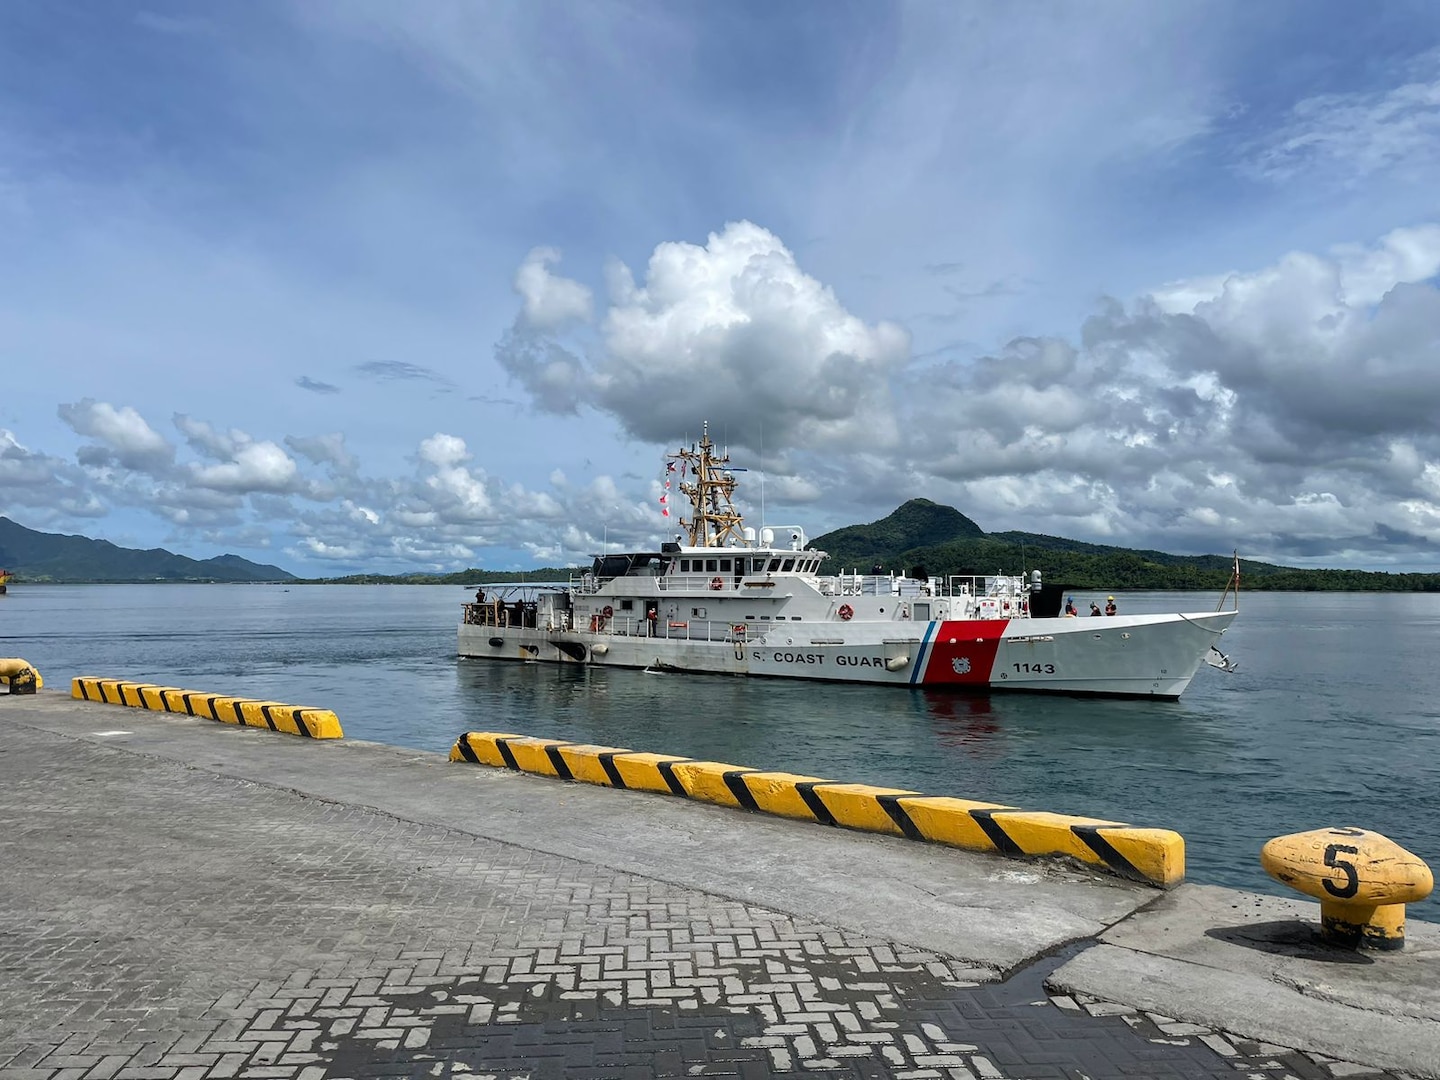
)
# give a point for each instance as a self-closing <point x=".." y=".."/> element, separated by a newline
<point x="607" y="611"/>
<point x="846" y="612"/>
<point x="717" y="583"/>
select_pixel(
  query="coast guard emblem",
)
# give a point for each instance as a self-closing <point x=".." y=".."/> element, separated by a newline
<point x="961" y="664"/>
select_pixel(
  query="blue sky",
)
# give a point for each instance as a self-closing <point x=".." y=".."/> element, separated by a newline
<point x="360" y="285"/>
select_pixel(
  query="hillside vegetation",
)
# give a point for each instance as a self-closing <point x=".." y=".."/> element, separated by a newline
<point x="919" y="534"/>
<point x="53" y="557"/>
<point x="943" y="541"/>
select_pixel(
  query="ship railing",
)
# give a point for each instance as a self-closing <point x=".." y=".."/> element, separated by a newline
<point x="698" y="582"/>
<point x="498" y="613"/>
<point x="672" y="629"/>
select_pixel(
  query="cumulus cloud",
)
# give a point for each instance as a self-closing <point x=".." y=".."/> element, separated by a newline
<point x="733" y="332"/>
<point x="122" y="436"/>
<point x="255" y="467"/>
<point x="549" y="301"/>
<point x="1275" y="407"/>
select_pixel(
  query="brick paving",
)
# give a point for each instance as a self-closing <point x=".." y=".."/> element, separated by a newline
<point x="160" y="922"/>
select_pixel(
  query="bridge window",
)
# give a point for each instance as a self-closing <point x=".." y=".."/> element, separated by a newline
<point x="710" y="566"/>
<point x="725" y="566"/>
<point x="627" y="605"/>
<point x="774" y="565"/>
<point x="789" y="565"/>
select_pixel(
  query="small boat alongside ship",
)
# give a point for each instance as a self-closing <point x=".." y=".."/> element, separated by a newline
<point x="737" y="601"/>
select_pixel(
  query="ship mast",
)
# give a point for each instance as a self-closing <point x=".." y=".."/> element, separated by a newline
<point x="716" y="519"/>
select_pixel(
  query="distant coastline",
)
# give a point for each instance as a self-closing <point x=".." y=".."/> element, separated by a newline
<point x="918" y="536"/>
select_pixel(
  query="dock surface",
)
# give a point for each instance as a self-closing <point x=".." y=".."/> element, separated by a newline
<point x="181" y="899"/>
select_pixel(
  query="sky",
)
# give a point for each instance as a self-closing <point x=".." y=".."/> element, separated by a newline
<point x="351" y="285"/>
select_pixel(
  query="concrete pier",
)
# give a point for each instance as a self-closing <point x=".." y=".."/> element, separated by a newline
<point x="181" y="899"/>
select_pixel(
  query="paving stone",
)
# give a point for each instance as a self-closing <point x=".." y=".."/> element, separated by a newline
<point x="214" y="929"/>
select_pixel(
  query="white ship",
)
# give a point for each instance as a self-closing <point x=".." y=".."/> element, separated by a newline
<point x="734" y="601"/>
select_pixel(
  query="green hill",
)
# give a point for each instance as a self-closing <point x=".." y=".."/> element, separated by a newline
<point x="52" y="557"/>
<point x="944" y="541"/>
<point x="915" y="525"/>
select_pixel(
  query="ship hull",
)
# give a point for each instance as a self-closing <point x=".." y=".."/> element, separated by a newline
<point x="1149" y="656"/>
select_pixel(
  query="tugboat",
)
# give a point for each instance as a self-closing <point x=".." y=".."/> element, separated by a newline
<point x="722" y="598"/>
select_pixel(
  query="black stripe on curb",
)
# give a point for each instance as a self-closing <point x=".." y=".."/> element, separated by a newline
<point x="1097" y="843"/>
<point x="466" y="751"/>
<point x="235" y="707"/>
<point x="998" y="836"/>
<point x="735" y="781"/>
<point x="299" y="718"/>
<point x="811" y="798"/>
<point x="265" y="712"/>
<point x="607" y="762"/>
<point x="506" y="754"/>
<point x="667" y="770"/>
<point x="897" y="813"/>
<point x="557" y="762"/>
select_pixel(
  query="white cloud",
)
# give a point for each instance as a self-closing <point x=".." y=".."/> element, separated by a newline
<point x="1356" y="135"/>
<point x="1267" y="409"/>
<point x="123" y="436"/>
<point x="735" y="333"/>
<point x="255" y="467"/>
<point x="549" y="302"/>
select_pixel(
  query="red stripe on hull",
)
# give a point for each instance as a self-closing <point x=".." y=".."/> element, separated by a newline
<point x="963" y="653"/>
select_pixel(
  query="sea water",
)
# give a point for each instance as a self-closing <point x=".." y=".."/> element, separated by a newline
<point x="1332" y="719"/>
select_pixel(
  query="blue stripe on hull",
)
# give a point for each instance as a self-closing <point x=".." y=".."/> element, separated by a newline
<point x="919" y="668"/>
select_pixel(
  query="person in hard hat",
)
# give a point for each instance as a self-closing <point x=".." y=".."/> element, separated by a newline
<point x="1094" y="608"/>
<point x="1109" y="605"/>
<point x="1070" y="611"/>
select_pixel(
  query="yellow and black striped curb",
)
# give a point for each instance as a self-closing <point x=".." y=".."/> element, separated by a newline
<point x="294" y="719"/>
<point x="1152" y="856"/>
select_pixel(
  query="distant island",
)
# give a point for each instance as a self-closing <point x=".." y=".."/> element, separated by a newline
<point x="918" y="535"/>
<point x="52" y="557"/>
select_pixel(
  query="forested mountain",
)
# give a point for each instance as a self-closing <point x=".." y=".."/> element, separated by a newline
<point x="41" y="556"/>
<point x="919" y="534"/>
<point x="914" y="536"/>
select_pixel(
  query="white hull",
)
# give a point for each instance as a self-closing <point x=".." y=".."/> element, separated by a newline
<point x="1152" y="656"/>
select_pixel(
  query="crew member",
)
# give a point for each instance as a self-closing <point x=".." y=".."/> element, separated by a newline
<point x="1094" y="608"/>
<point x="1109" y="605"/>
<point x="1070" y="611"/>
<point x="651" y="617"/>
<point x="479" y="596"/>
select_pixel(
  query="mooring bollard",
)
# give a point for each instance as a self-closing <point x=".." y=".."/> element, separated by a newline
<point x="20" y="676"/>
<point x="1363" y="881"/>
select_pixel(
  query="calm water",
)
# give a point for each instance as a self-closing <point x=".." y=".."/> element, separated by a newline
<point x="1333" y="718"/>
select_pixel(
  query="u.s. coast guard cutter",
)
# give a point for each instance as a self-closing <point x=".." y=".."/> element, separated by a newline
<point x="737" y="602"/>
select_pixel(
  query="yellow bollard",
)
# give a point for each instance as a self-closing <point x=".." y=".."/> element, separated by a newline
<point x="1363" y="881"/>
<point x="20" y="676"/>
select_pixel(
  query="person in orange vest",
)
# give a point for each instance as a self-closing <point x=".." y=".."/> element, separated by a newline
<point x="1094" y="608"/>
<point x="1109" y="605"/>
<point x="1070" y="611"/>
